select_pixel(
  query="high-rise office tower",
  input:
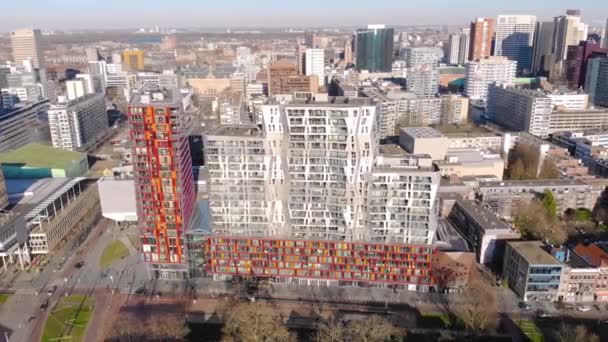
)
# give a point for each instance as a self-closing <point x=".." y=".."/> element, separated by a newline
<point x="514" y="38"/>
<point x="480" y="74"/>
<point x="596" y="82"/>
<point x="163" y="177"/>
<point x="315" y="64"/>
<point x="93" y="54"/>
<point x="374" y="48"/>
<point x="569" y="30"/>
<point x="542" y="59"/>
<point x="28" y="46"/>
<point x="133" y="60"/>
<point x="482" y="31"/>
<point x="423" y="70"/>
<point x="453" y="49"/>
<point x="575" y="65"/>
<point x="465" y="41"/>
<point x="605" y="40"/>
<point x="348" y="51"/>
<point x="309" y="39"/>
<point x="79" y="123"/>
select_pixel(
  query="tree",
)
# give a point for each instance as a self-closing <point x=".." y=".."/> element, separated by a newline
<point x="167" y="327"/>
<point x="254" y="322"/>
<point x="578" y="334"/>
<point x="548" y="170"/>
<point x="533" y="220"/>
<point x="550" y="203"/>
<point x="372" y="329"/>
<point x="443" y="277"/>
<point x="479" y="309"/>
<point x="527" y="158"/>
<point x="127" y="328"/>
<point x="330" y="331"/>
<point x="518" y="171"/>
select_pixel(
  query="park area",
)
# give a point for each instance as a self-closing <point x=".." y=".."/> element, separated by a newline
<point x="114" y="252"/>
<point x="69" y="319"/>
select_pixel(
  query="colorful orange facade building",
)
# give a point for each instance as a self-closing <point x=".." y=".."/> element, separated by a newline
<point x="163" y="176"/>
<point x="320" y="262"/>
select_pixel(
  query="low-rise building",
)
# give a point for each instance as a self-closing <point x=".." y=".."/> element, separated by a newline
<point x="424" y="140"/>
<point x="18" y="124"/>
<point x="41" y="161"/>
<point x="503" y="197"/>
<point x="117" y="199"/>
<point x="483" y="230"/>
<point x="472" y="162"/>
<point x="531" y="272"/>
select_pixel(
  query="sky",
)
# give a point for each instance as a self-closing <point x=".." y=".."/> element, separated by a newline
<point x="108" y="14"/>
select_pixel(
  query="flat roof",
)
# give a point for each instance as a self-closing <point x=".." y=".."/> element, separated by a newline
<point x="422" y="132"/>
<point x="337" y="101"/>
<point x="392" y="149"/>
<point x="533" y="183"/>
<point x="486" y="219"/>
<point x="237" y="131"/>
<point x="533" y="252"/>
<point x="42" y="156"/>
<point x="117" y="198"/>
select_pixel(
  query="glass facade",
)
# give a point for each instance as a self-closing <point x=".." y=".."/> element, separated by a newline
<point x="375" y="49"/>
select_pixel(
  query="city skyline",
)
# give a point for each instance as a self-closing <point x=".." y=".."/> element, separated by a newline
<point x="188" y="13"/>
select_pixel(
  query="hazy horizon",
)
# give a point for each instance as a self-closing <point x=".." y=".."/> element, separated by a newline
<point x="121" y="14"/>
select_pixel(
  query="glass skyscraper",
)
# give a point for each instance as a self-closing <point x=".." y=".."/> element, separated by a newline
<point x="374" y="48"/>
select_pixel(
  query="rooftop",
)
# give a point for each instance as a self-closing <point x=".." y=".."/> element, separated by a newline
<point x="594" y="255"/>
<point x="533" y="252"/>
<point x="332" y="102"/>
<point x="422" y="132"/>
<point x="41" y="156"/>
<point x="237" y="131"/>
<point x="534" y="183"/>
<point x="156" y="98"/>
<point x="486" y="219"/>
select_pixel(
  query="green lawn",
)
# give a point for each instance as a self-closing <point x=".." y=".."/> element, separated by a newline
<point x="113" y="252"/>
<point x="4" y="297"/>
<point x="530" y="329"/>
<point x="67" y="322"/>
<point x="444" y="318"/>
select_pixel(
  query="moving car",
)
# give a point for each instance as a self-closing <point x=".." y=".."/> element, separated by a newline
<point x="583" y="308"/>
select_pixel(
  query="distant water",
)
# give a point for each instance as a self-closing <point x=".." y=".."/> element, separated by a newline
<point x="145" y="39"/>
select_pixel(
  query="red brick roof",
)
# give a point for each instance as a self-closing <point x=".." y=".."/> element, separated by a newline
<point x="592" y="254"/>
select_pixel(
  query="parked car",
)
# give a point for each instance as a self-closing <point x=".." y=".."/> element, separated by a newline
<point x="583" y="308"/>
<point x="52" y="290"/>
<point x="44" y="305"/>
<point x="524" y="306"/>
<point x="79" y="264"/>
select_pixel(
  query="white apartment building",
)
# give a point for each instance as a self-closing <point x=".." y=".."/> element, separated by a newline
<point x="514" y="38"/>
<point x="79" y="87"/>
<point x="313" y="171"/>
<point x="315" y="64"/>
<point x="423" y="70"/>
<point x="519" y="109"/>
<point x="78" y="124"/>
<point x="480" y="74"/>
<point x="572" y="101"/>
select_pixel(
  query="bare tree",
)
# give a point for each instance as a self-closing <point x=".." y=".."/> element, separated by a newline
<point x="479" y="308"/>
<point x="330" y="331"/>
<point x="167" y="327"/>
<point x="127" y="328"/>
<point x="443" y="276"/>
<point x="255" y="322"/>
<point x="373" y="329"/>
<point x="578" y="334"/>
